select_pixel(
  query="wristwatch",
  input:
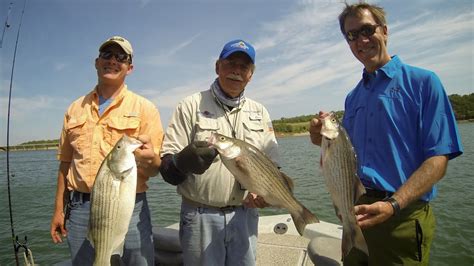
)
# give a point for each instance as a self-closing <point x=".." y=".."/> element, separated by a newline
<point x="395" y="205"/>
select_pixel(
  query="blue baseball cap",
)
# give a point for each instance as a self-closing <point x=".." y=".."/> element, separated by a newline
<point x="238" y="46"/>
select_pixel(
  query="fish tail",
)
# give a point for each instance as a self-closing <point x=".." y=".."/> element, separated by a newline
<point x="353" y="238"/>
<point x="304" y="218"/>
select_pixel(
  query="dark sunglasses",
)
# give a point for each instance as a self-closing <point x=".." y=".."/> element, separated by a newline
<point x="366" y="30"/>
<point x="120" y="57"/>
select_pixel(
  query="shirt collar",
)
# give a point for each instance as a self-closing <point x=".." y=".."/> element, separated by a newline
<point x="392" y="66"/>
<point x="117" y="98"/>
<point x="388" y="69"/>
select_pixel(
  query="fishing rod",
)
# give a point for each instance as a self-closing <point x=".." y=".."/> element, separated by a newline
<point x="16" y="244"/>
<point x="7" y="25"/>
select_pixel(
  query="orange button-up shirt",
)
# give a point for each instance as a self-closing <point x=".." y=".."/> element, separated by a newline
<point x="87" y="137"/>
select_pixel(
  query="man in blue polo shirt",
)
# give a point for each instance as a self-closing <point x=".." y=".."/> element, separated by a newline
<point x="404" y="132"/>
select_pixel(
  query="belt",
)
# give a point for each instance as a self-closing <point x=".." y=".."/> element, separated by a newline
<point x="84" y="197"/>
<point x="80" y="196"/>
<point x="228" y="208"/>
<point x="380" y="194"/>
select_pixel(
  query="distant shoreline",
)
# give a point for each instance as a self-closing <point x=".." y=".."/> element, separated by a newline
<point x="285" y="135"/>
<point x="277" y="134"/>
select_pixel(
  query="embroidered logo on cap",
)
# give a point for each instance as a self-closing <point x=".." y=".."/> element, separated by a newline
<point x="240" y="44"/>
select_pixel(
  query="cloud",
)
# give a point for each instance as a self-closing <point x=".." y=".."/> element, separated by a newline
<point x="22" y="107"/>
<point x="310" y="53"/>
<point x="167" y="57"/>
<point x="60" y="66"/>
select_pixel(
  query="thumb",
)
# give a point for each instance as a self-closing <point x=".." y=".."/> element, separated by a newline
<point x="207" y="153"/>
<point x="63" y="231"/>
<point x="360" y="209"/>
<point x="201" y="144"/>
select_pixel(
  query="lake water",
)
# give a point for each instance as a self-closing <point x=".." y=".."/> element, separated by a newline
<point x="33" y="184"/>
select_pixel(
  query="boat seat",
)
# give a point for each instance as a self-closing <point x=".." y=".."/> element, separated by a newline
<point x="168" y="250"/>
<point x="330" y="247"/>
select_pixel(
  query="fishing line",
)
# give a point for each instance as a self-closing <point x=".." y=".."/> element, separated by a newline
<point x="16" y="244"/>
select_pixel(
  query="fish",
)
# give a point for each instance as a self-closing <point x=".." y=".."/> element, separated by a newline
<point x="259" y="175"/>
<point x="113" y="200"/>
<point x="339" y="168"/>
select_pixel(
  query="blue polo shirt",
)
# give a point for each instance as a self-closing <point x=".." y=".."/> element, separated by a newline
<point x="397" y="117"/>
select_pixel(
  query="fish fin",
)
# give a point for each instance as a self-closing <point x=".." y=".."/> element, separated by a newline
<point x="352" y="236"/>
<point x="338" y="212"/>
<point x="359" y="190"/>
<point x="241" y="164"/>
<point x="288" y="182"/>
<point x="302" y="219"/>
<point x="126" y="173"/>
<point x="360" y="242"/>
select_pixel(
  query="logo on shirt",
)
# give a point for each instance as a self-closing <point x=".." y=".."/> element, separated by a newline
<point x="395" y="90"/>
<point x="207" y="114"/>
<point x="131" y="114"/>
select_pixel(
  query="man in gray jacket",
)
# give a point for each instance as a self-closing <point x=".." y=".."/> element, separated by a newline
<point x="218" y="223"/>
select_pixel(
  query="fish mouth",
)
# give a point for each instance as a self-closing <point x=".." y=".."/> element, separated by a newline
<point x="133" y="142"/>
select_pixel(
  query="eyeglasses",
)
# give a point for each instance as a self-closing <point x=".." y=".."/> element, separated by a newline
<point x="366" y="30"/>
<point x="120" y="57"/>
<point x="246" y="67"/>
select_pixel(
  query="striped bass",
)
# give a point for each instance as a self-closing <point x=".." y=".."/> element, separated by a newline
<point x="339" y="167"/>
<point x="259" y="175"/>
<point x="113" y="200"/>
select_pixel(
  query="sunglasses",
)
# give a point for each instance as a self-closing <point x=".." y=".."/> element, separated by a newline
<point x="120" y="57"/>
<point x="366" y="30"/>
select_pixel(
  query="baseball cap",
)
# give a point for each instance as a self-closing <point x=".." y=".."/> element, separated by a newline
<point x="238" y="46"/>
<point x="124" y="44"/>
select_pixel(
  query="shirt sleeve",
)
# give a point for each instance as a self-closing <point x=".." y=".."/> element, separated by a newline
<point x="151" y="125"/>
<point x="439" y="126"/>
<point x="65" y="149"/>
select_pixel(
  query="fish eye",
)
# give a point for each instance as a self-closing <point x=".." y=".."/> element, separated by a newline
<point x="222" y="138"/>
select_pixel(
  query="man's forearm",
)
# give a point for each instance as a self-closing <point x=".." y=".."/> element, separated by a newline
<point x="422" y="180"/>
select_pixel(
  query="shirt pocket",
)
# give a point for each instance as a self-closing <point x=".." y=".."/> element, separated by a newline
<point x="204" y="128"/>
<point x="351" y="116"/>
<point x="77" y="132"/>
<point x="118" y="126"/>
<point x="254" y="130"/>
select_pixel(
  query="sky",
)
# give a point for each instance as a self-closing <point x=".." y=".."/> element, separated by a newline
<point x="303" y="64"/>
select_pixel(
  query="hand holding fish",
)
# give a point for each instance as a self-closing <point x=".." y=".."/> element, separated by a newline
<point x="369" y="215"/>
<point x="315" y="126"/>
<point x="147" y="160"/>
<point x="254" y="201"/>
<point x="195" y="158"/>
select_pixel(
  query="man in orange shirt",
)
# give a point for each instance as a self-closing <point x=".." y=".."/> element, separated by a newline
<point x="92" y="125"/>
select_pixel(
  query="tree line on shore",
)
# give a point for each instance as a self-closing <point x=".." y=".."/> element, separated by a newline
<point x="463" y="106"/>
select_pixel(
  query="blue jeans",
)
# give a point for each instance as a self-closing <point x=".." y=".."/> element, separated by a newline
<point x="210" y="236"/>
<point x="138" y="248"/>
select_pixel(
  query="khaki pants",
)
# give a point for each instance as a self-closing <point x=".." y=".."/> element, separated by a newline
<point x="402" y="240"/>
